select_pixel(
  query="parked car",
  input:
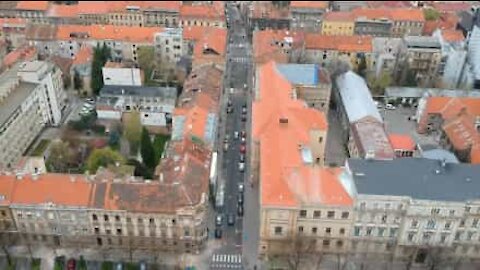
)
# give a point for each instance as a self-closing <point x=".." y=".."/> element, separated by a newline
<point x="240" y="210"/>
<point x="229" y="103"/>
<point x="236" y="134"/>
<point x="219" y="220"/>
<point x="241" y="188"/>
<point x="143" y="266"/>
<point x="389" y="106"/>
<point x="242" y="158"/>
<point x="243" y="149"/>
<point x="71" y="264"/>
<point x="244" y="118"/>
<point x="218" y="233"/>
<point x="119" y="266"/>
<point x="240" y="199"/>
<point x="229" y="109"/>
<point x="244" y="109"/>
<point x="225" y="146"/>
<point x="241" y="166"/>
<point x="231" y="220"/>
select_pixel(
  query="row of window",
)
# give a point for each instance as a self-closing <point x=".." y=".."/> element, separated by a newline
<point x="318" y="213"/>
<point x="375" y="231"/>
<point x="117" y="218"/>
<point x="328" y="230"/>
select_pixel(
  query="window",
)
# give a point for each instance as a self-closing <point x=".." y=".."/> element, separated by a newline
<point x="458" y="235"/>
<point x="94" y="217"/>
<point x="470" y="236"/>
<point x="410" y="237"/>
<point x="380" y="232"/>
<point x="414" y="224"/>
<point x="328" y="230"/>
<point x="140" y="220"/>
<point x="152" y="221"/>
<point x="363" y="206"/>
<point x="278" y="230"/>
<point x="467" y="209"/>
<point x="345" y="215"/>
<point x="316" y="214"/>
<point x="326" y="243"/>
<point x="443" y="238"/>
<point x="108" y="231"/>
<point x="300" y="229"/>
<point x="448" y="224"/>
<point x="119" y="231"/>
<point x="384" y="219"/>
<point x="4" y="214"/>
<point x="97" y="230"/>
<point x="435" y="211"/>
<point x="342" y="231"/>
<point x="314" y="230"/>
<point x="431" y="224"/>
<point x="331" y="214"/>
<point x="129" y="219"/>
<point x="357" y="231"/>
<point x="303" y="213"/>
<point x="393" y="232"/>
<point x="427" y="236"/>
<point x="452" y="212"/>
<point x="475" y="222"/>
<point x="117" y="218"/>
<point x="369" y="231"/>
<point x="105" y="217"/>
<point x="462" y="223"/>
<point x="320" y="139"/>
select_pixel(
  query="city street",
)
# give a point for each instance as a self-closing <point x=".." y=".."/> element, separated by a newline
<point x="237" y="87"/>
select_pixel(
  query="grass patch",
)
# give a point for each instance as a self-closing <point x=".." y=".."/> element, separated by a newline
<point x="41" y="147"/>
<point x="35" y="264"/>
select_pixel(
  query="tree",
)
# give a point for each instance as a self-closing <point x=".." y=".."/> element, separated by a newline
<point x="431" y="14"/>
<point x="147" y="151"/>
<point x="61" y="157"/>
<point x="100" y="57"/>
<point x="362" y="67"/>
<point x="103" y="157"/>
<point x="302" y="250"/>
<point x="133" y="131"/>
<point x="77" y="81"/>
<point x="410" y="79"/>
<point x="378" y="84"/>
<point x="146" y="56"/>
<point x="159" y="146"/>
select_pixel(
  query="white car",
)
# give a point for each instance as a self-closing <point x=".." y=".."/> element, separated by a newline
<point x="241" y="166"/>
<point x="389" y="106"/>
<point x="236" y="134"/>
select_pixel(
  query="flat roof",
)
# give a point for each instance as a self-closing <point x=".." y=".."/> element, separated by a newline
<point x="13" y="101"/>
<point x="418" y="178"/>
<point x="303" y="74"/>
<point x="141" y="91"/>
<point x="418" y="92"/>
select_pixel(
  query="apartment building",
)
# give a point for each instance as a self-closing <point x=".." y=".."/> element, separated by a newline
<point x="385" y="53"/>
<point x="407" y="22"/>
<point x="169" y="46"/>
<point x="280" y="46"/>
<point x="212" y="14"/>
<point x="32" y="11"/>
<point x="338" y="23"/>
<point x="325" y="49"/>
<point x="264" y="15"/>
<point x="155" y="104"/>
<point x="124" y="73"/>
<point x="211" y="48"/>
<point x="374" y="22"/>
<point x="398" y="217"/>
<point x="307" y="15"/>
<point x="362" y="125"/>
<point x="12" y="32"/>
<point x="311" y="84"/>
<point x="419" y="60"/>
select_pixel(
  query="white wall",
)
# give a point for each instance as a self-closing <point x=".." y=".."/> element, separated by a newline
<point x="108" y="114"/>
<point x="122" y="76"/>
<point x="153" y="119"/>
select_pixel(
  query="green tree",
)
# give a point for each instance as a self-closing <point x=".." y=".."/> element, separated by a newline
<point x="103" y="157"/>
<point x="159" y="146"/>
<point x="133" y="131"/>
<point x="100" y="57"/>
<point x="378" y="84"/>
<point x="146" y="150"/>
<point x="410" y="79"/>
<point x="77" y="81"/>
<point x="431" y="14"/>
<point x="61" y="157"/>
<point x="146" y="62"/>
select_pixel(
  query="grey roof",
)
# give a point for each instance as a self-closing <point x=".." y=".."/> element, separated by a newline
<point x="14" y="100"/>
<point x="422" y="42"/>
<point x="303" y="74"/>
<point x="440" y="154"/>
<point x="140" y="91"/>
<point x="418" y="178"/>
<point x="417" y="92"/>
<point x="356" y="97"/>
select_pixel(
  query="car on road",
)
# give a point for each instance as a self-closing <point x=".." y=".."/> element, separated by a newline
<point x="236" y="134"/>
<point x="71" y="264"/>
<point x="389" y="106"/>
<point x="243" y="139"/>
<point x="243" y="149"/>
<point x="229" y="103"/>
<point x="241" y="188"/>
<point x="242" y="158"/>
<point x="219" y="220"/>
<point x="241" y="166"/>
<point x="244" y="118"/>
<point x="243" y="133"/>
<point x="90" y="100"/>
<point x="229" y="109"/>
<point x="218" y="233"/>
<point x="225" y="146"/>
<point x="231" y="220"/>
<point x="240" y="210"/>
<point x="240" y="199"/>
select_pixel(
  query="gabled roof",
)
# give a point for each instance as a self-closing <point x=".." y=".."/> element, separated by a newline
<point x="309" y="4"/>
<point x="461" y="131"/>
<point x="83" y="56"/>
<point x="354" y="43"/>
<point x="32" y="5"/>
<point x="356" y="97"/>
<point x="267" y="45"/>
<point x="202" y="11"/>
<point x="371" y="139"/>
<point x="109" y="32"/>
<point x="215" y="40"/>
<point x="402" y="142"/>
<point x="404" y="14"/>
<point x="338" y="16"/>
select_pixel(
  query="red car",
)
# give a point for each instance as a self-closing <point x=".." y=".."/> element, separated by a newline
<point x="243" y="149"/>
<point x="71" y="264"/>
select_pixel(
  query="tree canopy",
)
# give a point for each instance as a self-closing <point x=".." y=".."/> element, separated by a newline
<point x="60" y="157"/>
<point x="431" y="14"/>
<point x="133" y="131"/>
<point x="103" y="157"/>
<point x="147" y="151"/>
<point x="378" y="84"/>
<point x="100" y="57"/>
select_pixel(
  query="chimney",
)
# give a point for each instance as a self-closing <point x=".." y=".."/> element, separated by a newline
<point x="283" y="120"/>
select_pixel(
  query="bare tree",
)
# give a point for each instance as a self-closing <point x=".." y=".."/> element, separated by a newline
<point x="302" y="249"/>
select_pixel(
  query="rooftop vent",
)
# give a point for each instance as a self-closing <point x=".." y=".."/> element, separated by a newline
<point x="283" y="120"/>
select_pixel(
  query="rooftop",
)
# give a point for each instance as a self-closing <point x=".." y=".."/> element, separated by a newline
<point x="418" y="92"/>
<point x="371" y="139"/>
<point x="418" y="178"/>
<point x="422" y="42"/>
<point x="356" y="97"/>
<point x="449" y="106"/>
<point x="402" y="142"/>
<point x="440" y="154"/>
<point x="166" y="93"/>
<point x="32" y="5"/>
<point x="202" y="11"/>
<point x="112" y="32"/>
<point x="309" y="4"/>
<point x="303" y="74"/>
<point x="274" y="45"/>
<point x="338" y="16"/>
<point x="84" y="55"/>
<point x="353" y="43"/>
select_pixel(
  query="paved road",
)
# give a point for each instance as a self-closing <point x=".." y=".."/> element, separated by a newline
<point x="237" y="75"/>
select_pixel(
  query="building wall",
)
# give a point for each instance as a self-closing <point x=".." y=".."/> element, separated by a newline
<point x="109" y="114"/>
<point x="307" y="20"/>
<point x="336" y="28"/>
<point x="196" y="21"/>
<point x="267" y="23"/>
<point x="122" y="76"/>
<point x="169" y="48"/>
<point x="402" y="28"/>
<point x="160" y="18"/>
<point x="317" y="97"/>
<point x="373" y="28"/>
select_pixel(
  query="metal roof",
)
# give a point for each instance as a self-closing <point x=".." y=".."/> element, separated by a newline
<point x="303" y="74"/>
<point x="418" y="178"/>
<point x="440" y="154"/>
<point x="166" y="93"/>
<point x="418" y="92"/>
<point x="356" y="97"/>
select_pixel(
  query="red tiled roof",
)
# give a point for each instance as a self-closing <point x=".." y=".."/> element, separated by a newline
<point x="113" y="32"/>
<point x="202" y="11"/>
<point x="339" y="16"/>
<point x="267" y="45"/>
<point x="475" y="154"/>
<point x="32" y="5"/>
<point x="309" y="4"/>
<point x="341" y="43"/>
<point x="63" y="11"/>
<point x="415" y="15"/>
<point x="461" y="131"/>
<point x="84" y="55"/>
<point x="389" y="4"/>
<point x="19" y="54"/>
<point x="451" y="6"/>
<point x="453" y="35"/>
<point x="215" y="40"/>
<point x="402" y="142"/>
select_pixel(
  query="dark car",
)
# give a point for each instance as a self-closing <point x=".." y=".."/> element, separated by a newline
<point x="244" y="118"/>
<point x="240" y="210"/>
<point x="231" y="220"/>
<point x="242" y="158"/>
<point x="243" y="149"/>
<point x="243" y="133"/>
<point x="71" y="264"/>
<point x="218" y="233"/>
<point x="240" y="199"/>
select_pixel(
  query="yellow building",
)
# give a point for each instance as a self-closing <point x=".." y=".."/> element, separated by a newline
<point x="338" y="24"/>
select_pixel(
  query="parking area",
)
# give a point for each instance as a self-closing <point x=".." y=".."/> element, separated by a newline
<point x="397" y="121"/>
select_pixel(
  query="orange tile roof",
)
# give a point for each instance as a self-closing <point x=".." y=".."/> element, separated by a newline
<point x="22" y="53"/>
<point x="309" y="4"/>
<point x="215" y="40"/>
<point x="9" y="22"/>
<point x="341" y="43"/>
<point x="447" y="21"/>
<point x="451" y="7"/>
<point x="338" y="16"/>
<point x="475" y="154"/>
<point x="404" y="14"/>
<point x="285" y="179"/>
<point x="448" y="106"/>
<point x="267" y="45"/>
<point x="7" y="183"/>
<point x="195" y="120"/>
<point x="196" y="32"/>
<point x="402" y="142"/>
<point x="265" y="9"/>
<point x="83" y="56"/>
<point x="110" y="32"/>
<point x="461" y="131"/>
<point x="32" y="5"/>
<point x="63" y="11"/>
<point x="60" y="189"/>
<point x="451" y="35"/>
<point x="201" y="11"/>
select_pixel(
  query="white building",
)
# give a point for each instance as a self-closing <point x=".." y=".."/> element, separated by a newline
<point x="473" y="58"/>
<point x="155" y="104"/>
<point x="121" y="74"/>
<point x="52" y="96"/>
<point x="169" y="45"/>
<point x="385" y="54"/>
<point x="453" y="61"/>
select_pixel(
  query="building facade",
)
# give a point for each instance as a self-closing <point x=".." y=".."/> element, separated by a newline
<point x="307" y="16"/>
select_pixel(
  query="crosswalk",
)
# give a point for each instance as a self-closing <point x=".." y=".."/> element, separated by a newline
<point x="226" y="261"/>
<point x="241" y="59"/>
